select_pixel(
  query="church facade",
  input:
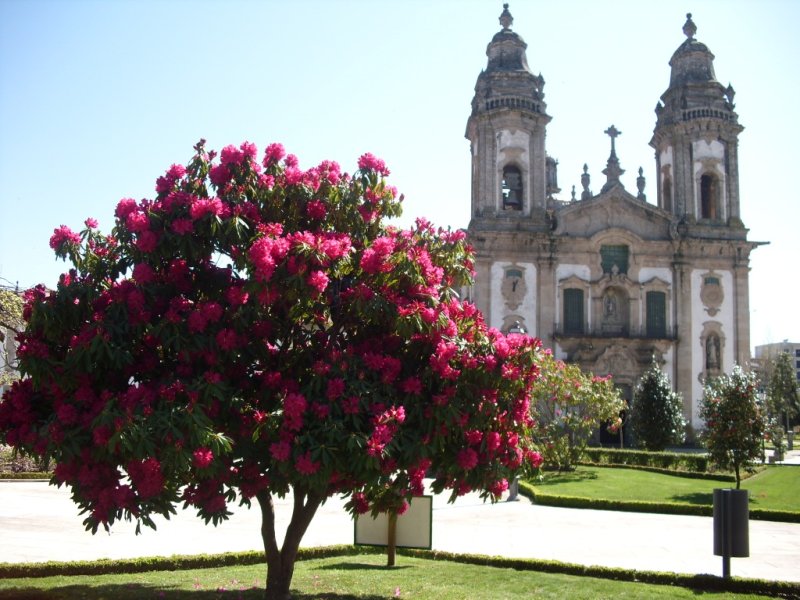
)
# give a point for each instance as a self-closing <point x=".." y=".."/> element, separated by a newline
<point x="610" y="280"/>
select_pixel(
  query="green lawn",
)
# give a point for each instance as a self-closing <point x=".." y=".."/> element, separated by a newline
<point x="361" y="577"/>
<point x="775" y="488"/>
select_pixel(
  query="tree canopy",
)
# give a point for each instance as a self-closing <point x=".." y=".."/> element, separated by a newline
<point x="783" y="398"/>
<point x="257" y="328"/>
<point x="657" y="412"/>
<point x="734" y="421"/>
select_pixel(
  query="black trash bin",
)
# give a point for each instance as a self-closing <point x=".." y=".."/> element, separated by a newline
<point x="731" y="526"/>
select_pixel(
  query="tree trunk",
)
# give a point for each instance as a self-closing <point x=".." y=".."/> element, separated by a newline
<point x="391" y="545"/>
<point x="280" y="561"/>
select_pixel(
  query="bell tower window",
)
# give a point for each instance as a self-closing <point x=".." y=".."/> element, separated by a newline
<point x="512" y="188"/>
<point x="709" y="195"/>
<point x="666" y="192"/>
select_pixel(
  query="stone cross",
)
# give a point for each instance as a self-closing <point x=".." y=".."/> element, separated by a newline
<point x="613" y="132"/>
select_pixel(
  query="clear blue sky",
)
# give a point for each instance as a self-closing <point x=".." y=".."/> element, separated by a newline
<point x="98" y="98"/>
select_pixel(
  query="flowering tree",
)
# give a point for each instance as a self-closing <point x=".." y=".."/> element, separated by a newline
<point x="734" y="422"/>
<point x="255" y="329"/>
<point x="568" y="406"/>
<point x="657" y="413"/>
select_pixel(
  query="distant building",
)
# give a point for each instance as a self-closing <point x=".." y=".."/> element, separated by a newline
<point x="608" y="279"/>
<point x="767" y="353"/>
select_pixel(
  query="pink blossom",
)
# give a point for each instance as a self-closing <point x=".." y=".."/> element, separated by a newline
<point x="360" y="503"/>
<point x="467" y="459"/>
<point x="492" y="441"/>
<point x="236" y="295"/>
<point x="230" y="155"/>
<point x="318" y="280"/>
<point x="219" y="175"/>
<point x="316" y="209"/>
<point x="412" y="385"/>
<point x="143" y="273"/>
<point x="202" y="458"/>
<point x="137" y="221"/>
<point x="498" y="487"/>
<point x="147" y="241"/>
<point x="182" y="226"/>
<point x="335" y="388"/>
<point x="63" y="235"/>
<point x="206" y="206"/>
<point x="147" y="477"/>
<point x="280" y="451"/>
<point x="227" y="339"/>
<point x="306" y="466"/>
<point x="91" y="223"/>
<point x="369" y="162"/>
<point x="249" y="150"/>
<point x="273" y="154"/>
<point x="124" y="208"/>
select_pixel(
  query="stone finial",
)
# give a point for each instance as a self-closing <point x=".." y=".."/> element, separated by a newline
<point x="689" y="28"/>
<point x="585" y="178"/>
<point x="573" y="194"/>
<point x="506" y="20"/>
<point x="640" y="182"/>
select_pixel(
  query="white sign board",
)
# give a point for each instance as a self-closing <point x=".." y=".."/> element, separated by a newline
<point x="413" y="526"/>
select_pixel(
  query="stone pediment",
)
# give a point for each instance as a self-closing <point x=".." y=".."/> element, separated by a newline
<point x="614" y="209"/>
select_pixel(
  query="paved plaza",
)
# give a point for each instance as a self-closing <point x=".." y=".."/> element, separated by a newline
<point x="39" y="522"/>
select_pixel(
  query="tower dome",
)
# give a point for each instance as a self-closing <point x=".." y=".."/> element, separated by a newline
<point x="692" y="62"/>
<point x="507" y="81"/>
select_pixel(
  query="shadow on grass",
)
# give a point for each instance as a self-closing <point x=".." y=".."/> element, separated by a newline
<point x="700" y="498"/>
<point x="137" y="591"/>
<point x="558" y="477"/>
<point x="352" y="566"/>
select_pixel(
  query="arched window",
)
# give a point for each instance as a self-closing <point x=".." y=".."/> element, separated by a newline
<point x="666" y="193"/>
<point x="512" y="188"/>
<point x="709" y="196"/>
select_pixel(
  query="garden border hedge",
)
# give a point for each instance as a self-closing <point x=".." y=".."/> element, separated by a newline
<point x="668" y="508"/>
<point x="777" y="589"/>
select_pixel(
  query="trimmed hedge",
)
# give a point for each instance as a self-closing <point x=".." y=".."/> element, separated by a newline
<point x="675" y="473"/>
<point x="667" y="508"/>
<point x="25" y="476"/>
<point x="710" y="583"/>
<point x="675" y="461"/>
<point x="776" y="589"/>
<point x="167" y="563"/>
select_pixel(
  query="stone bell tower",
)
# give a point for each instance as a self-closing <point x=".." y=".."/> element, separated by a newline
<point x="696" y="140"/>
<point x="510" y="171"/>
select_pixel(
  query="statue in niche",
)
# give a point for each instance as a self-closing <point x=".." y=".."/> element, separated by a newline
<point x="610" y="306"/>
<point x="712" y="353"/>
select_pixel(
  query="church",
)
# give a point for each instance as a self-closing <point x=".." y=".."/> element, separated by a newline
<point x="609" y="280"/>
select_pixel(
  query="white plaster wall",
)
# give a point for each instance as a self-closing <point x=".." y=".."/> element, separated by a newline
<point x="527" y="310"/>
<point x="665" y="158"/>
<point x="725" y="316"/>
<point x="518" y="140"/>
<point x="662" y="273"/>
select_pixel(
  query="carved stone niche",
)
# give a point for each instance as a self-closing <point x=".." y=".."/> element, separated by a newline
<point x="712" y="294"/>
<point x="513" y="287"/>
<point x="712" y="346"/>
